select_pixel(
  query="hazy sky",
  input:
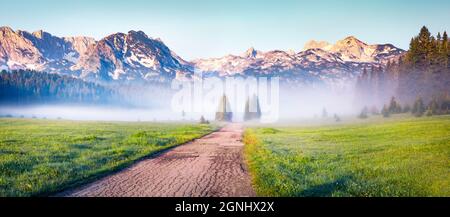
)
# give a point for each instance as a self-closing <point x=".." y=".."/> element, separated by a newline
<point x="201" y="28"/>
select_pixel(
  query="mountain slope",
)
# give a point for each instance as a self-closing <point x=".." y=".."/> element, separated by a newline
<point x="129" y="57"/>
<point x="132" y="56"/>
<point x="319" y="59"/>
<point x="18" y="52"/>
<point x="354" y="50"/>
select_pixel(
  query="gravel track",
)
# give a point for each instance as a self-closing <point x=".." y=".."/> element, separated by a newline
<point x="211" y="166"/>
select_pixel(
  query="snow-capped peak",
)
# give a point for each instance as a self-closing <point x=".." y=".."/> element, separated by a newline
<point x="135" y="56"/>
<point x="118" y="56"/>
<point x="352" y="49"/>
<point x="319" y="58"/>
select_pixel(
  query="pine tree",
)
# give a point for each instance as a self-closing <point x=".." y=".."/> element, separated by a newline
<point x="419" y="48"/>
<point x="373" y="85"/>
<point x="418" y="108"/>
<point x="382" y="84"/>
<point x="366" y="86"/>
<point x="394" y="107"/>
<point x="434" y="53"/>
<point x="337" y="118"/>
<point x="203" y="120"/>
<point x="424" y="42"/>
<point x="445" y="50"/>
<point x="385" y="111"/>
<point x="445" y="104"/>
<point x="412" y="56"/>
<point x="247" y="115"/>
<point x="433" y="106"/>
<point x="324" y="113"/>
<point x="364" y="113"/>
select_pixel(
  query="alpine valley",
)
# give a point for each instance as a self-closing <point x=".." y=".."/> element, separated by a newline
<point x="136" y="57"/>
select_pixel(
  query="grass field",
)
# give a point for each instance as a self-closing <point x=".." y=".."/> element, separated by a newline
<point x="39" y="157"/>
<point x="381" y="157"/>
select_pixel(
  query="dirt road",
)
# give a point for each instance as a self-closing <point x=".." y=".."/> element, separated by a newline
<point x="210" y="166"/>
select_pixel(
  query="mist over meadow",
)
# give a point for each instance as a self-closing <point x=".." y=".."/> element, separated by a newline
<point x="147" y="103"/>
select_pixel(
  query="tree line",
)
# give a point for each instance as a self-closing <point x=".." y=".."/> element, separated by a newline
<point x="26" y="86"/>
<point x="417" y="82"/>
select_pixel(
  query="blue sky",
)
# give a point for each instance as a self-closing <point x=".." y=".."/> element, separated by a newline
<point x="201" y="28"/>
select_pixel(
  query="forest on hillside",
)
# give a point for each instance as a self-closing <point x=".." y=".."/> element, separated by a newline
<point x="419" y="81"/>
<point x="27" y="87"/>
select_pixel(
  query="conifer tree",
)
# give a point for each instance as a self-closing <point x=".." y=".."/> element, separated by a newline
<point x="424" y="41"/>
<point x="413" y="53"/>
<point x="418" y="108"/>
<point x="428" y="112"/>
<point x="324" y="113"/>
<point x="364" y="113"/>
<point x="202" y="120"/>
<point x="433" y="106"/>
<point x="385" y="111"/>
<point x="337" y="118"/>
<point x="247" y="115"/>
<point x="394" y="106"/>
<point x="445" y="50"/>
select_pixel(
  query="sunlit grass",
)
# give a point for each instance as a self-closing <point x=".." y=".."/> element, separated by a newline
<point x="39" y="157"/>
<point x="401" y="157"/>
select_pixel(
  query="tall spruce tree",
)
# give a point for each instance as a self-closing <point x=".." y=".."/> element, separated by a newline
<point x="324" y="113"/>
<point x="445" y="50"/>
<point x="419" y="107"/>
<point x="247" y="115"/>
<point x="385" y="111"/>
<point x="394" y="106"/>
<point x="364" y="113"/>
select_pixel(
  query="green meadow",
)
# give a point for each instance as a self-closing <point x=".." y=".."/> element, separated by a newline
<point x="399" y="156"/>
<point x="40" y="157"/>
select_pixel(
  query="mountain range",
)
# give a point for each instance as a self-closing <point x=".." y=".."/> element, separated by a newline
<point x="134" y="56"/>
